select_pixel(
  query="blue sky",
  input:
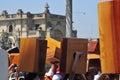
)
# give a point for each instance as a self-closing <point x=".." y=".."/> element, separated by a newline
<point x="86" y="24"/>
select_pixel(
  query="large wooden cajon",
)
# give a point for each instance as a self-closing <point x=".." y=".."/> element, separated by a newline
<point x="32" y="55"/>
<point x="109" y="29"/>
<point x="68" y="48"/>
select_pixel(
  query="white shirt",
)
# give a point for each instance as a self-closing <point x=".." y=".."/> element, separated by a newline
<point x="97" y="76"/>
<point x="49" y="73"/>
<point x="57" y="77"/>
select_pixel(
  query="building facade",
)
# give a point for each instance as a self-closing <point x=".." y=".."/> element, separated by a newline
<point x="22" y="24"/>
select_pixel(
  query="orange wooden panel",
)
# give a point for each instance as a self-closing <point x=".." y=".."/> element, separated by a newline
<point x="51" y="48"/>
<point x="14" y="58"/>
<point x="27" y="54"/>
<point x="93" y="56"/>
<point x="68" y="47"/>
<point x="109" y="37"/>
<point x="32" y="55"/>
<point x="116" y="11"/>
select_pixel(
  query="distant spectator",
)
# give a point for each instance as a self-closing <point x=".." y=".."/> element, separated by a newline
<point x="57" y="75"/>
<point x="51" y="72"/>
<point x="92" y="71"/>
<point x="32" y="76"/>
<point x="97" y="76"/>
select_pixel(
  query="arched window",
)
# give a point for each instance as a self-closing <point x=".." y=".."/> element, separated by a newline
<point x="10" y="28"/>
<point x="36" y="26"/>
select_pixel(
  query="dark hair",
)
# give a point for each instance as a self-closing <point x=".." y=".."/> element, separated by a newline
<point x="15" y="65"/>
<point x="31" y="76"/>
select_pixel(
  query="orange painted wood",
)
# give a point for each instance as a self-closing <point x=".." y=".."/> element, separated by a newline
<point x="109" y="29"/>
<point x="32" y="55"/>
<point x="52" y="44"/>
<point x="14" y="58"/>
<point x="68" y="48"/>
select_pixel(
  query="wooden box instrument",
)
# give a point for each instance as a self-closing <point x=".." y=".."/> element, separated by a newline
<point x="32" y="55"/>
<point x="68" y="48"/>
<point x="109" y="28"/>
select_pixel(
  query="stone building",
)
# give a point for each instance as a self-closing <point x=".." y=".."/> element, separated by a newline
<point x="22" y="24"/>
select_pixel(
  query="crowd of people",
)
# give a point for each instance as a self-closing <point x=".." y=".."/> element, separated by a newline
<point x="54" y="74"/>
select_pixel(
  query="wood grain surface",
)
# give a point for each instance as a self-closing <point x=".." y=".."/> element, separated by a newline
<point x="32" y="55"/>
<point x="109" y="29"/>
<point x="68" y="47"/>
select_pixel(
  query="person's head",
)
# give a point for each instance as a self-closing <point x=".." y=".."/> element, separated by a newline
<point x="89" y="76"/>
<point x="31" y="76"/>
<point x="54" y="66"/>
<point x="93" y="70"/>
